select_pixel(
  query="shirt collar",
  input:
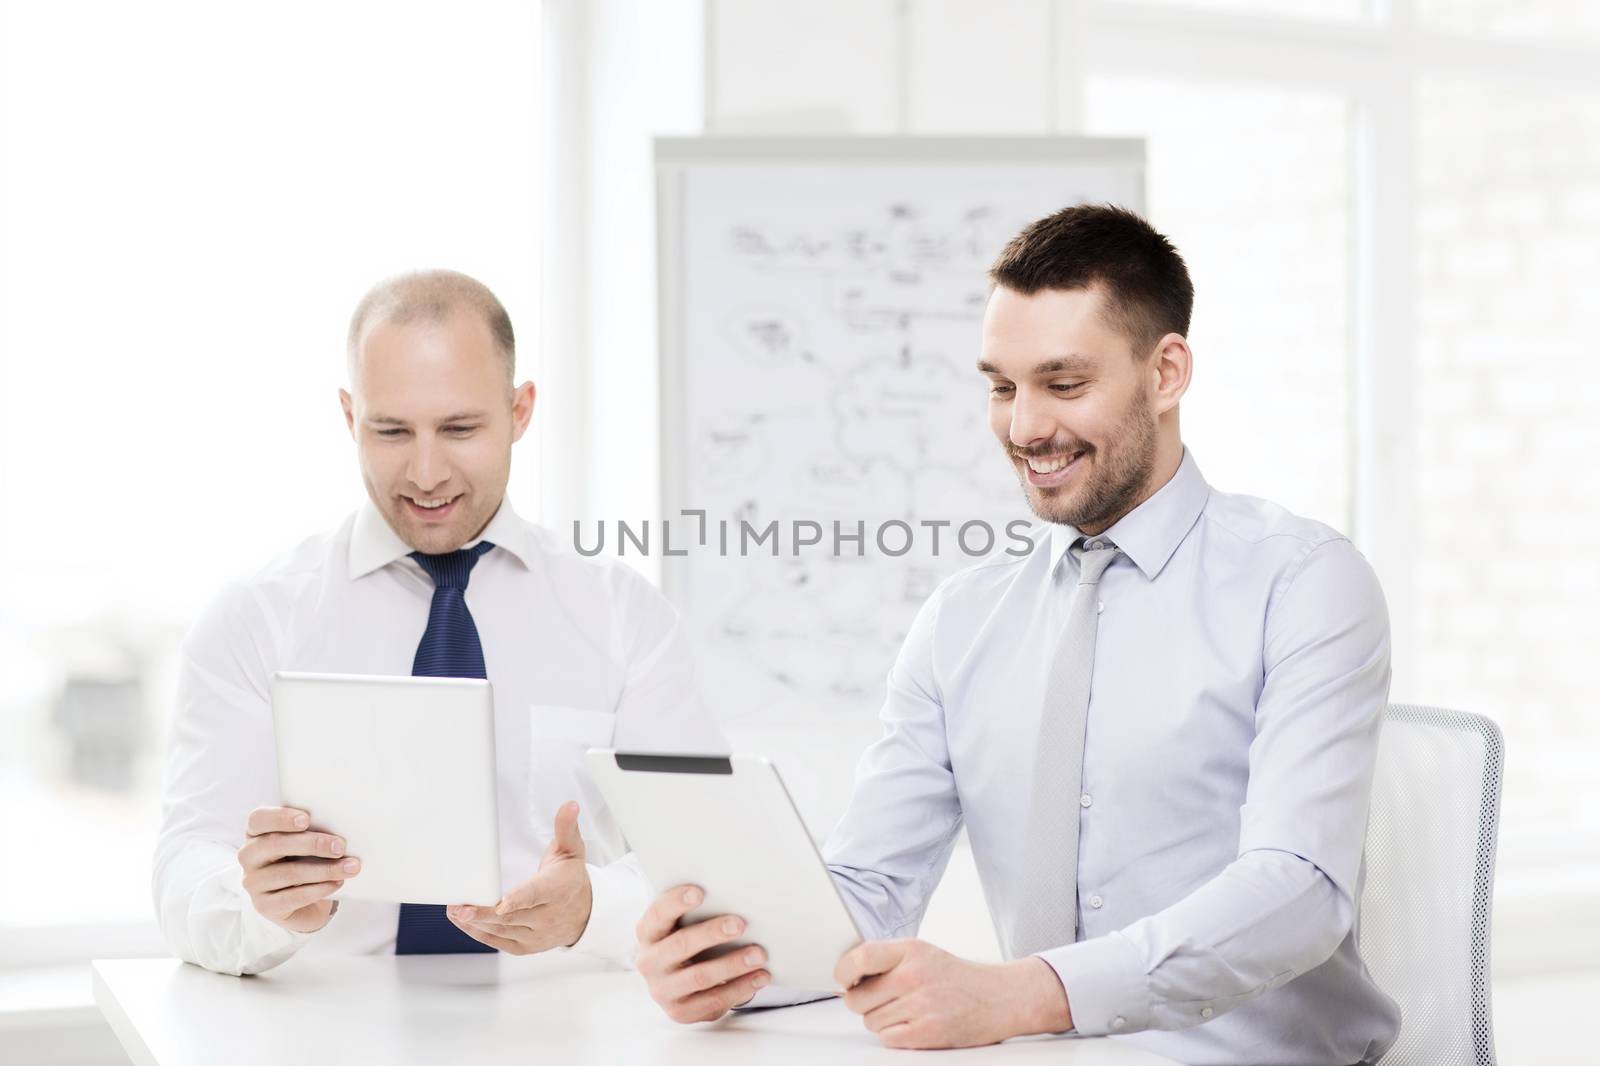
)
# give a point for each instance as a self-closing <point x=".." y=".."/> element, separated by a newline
<point x="374" y="544"/>
<point x="1152" y="531"/>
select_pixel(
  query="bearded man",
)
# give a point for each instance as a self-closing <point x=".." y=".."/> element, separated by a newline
<point x="1159" y="727"/>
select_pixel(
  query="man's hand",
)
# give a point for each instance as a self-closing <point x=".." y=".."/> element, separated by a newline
<point x="695" y="991"/>
<point x="550" y="910"/>
<point x="290" y="870"/>
<point x="914" y="995"/>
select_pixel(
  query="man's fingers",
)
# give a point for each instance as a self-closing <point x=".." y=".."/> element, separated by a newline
<point x="311" y="917"/>
<point x="907" y="1033"/>
<point x="276" y="820"/>
<point x="486" y="919"/>
<point x="526" y="918"/>
<point x="494" y="940"/>
<point x="533" y="892"/>
<point x="664" y="956"/>
<point x="892" y="1012"/>
<point x="286" y="901"/>
<point x="493" y="928"/>
<point x="870" y="994"/>
<point x="280" y="875"/>
<point x="685" y="982"/>
<point x="710" y="1005"/>
<point x="270" y="847"/>
<point x="523" y="916"/>
<point x="868" y="958"/>
<point x="667" y="955"/>
<point x="662" y="916"/>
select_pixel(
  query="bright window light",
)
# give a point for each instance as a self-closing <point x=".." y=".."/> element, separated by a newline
<point x="195" y="196"/>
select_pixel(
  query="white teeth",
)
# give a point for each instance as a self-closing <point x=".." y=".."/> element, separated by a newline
<point x="1050" y="466"/>
<point x="431" y="504"/>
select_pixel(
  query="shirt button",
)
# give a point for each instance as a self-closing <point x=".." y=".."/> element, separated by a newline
<point x="1085" y="799"/>
<point x="1119" y="1022"/>
<point x="1096" y="902"/>
<point x="1207" y="1012"/>
<point x="1100" y="607"/>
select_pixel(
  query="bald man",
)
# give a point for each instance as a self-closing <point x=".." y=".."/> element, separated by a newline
<point x="579" y="653"/>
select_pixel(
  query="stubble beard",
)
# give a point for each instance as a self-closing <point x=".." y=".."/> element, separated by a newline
<point x="1117" y="476"/>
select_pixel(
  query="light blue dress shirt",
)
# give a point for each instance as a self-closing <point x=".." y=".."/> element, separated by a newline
<point x="1240" y="673"/>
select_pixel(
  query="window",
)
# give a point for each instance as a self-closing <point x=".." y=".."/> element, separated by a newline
<point x="195" y="197"/>
<point x="1253" y="187"/>
<point x="1508" y="583"/>
<point x="1470" y="157"/>
<point x="1424" y="176"/>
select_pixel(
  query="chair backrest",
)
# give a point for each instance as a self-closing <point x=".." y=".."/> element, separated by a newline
<point x="1425" y="909"/>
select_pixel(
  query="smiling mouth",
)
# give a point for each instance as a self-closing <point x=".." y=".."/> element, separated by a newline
<point x="1047" y="471"/>
<point x="1049" y="464"/>
<point x="433" y="507"/>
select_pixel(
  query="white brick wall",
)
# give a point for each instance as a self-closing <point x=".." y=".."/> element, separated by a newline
<point x="1509" y="430"/>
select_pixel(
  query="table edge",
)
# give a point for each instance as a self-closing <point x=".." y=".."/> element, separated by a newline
<point x="117" y="1018"/>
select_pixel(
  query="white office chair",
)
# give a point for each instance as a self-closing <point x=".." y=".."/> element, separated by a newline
<point x="1425" y="910"/>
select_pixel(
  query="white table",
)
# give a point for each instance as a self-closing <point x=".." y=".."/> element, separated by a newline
<point x="487" y="1009"/>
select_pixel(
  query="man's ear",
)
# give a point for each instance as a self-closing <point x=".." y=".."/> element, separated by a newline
<point x="349" y="412"/>
<point x="1170" y="367"/>
<point x="521" y="409"/>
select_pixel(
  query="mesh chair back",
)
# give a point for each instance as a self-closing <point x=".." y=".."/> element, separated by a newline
<point x="1430" y="853"/>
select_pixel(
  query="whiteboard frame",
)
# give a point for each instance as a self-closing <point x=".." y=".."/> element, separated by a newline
<point x="676" y="156"/>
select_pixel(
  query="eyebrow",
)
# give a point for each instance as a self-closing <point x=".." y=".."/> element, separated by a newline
<point x="1070" y="364"/>
<point x="459" y="416"/>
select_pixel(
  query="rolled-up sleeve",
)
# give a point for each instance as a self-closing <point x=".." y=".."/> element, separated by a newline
<point x="1287" y="901"/>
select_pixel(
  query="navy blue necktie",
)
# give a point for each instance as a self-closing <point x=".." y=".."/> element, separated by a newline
<point x="449" y="648"/>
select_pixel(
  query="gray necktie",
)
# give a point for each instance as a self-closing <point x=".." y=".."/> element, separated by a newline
<point x="1048" y="915"/>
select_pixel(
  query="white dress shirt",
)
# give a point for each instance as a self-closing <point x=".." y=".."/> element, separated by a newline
<point x="580" y="652"/>
<point x="1240" y="672"/>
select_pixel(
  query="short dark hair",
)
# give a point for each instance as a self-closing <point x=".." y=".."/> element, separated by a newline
<point x="432" y="295"/>
<point x="1146" y="286"/>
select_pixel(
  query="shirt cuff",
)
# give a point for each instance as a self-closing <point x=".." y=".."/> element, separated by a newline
<point x="621" y="895"/>
<point x="1107" y="989"/>
<point x="263" y="943"/>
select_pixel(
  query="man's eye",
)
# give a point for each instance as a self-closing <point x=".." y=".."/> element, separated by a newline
<point x="1063" y="387"/>
<point x="1000" y="390"/>
<point x="459" y="430"/>
<point x="390" y="432"/>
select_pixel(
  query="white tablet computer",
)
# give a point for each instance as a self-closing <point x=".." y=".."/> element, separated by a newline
<point x="729" y="826"/>
<point x="404" y="769"/>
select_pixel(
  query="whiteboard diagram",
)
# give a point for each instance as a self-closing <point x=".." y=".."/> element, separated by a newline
<point x="821" y="304"/>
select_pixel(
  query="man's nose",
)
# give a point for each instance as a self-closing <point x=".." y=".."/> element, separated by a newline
<point x="1030" y="423"/>
<point x="427" y="469"/>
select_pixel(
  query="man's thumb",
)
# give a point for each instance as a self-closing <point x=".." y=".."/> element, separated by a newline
<point x="568" y="840"/>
